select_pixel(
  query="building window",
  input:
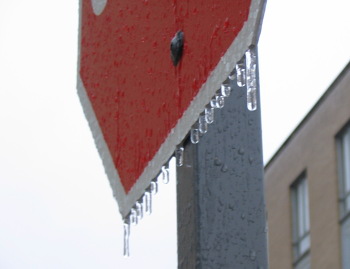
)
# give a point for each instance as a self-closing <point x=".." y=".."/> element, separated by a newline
<point x="344" y="192"/>
<point x="344" y="171"/>
<point x="301" y="223"/>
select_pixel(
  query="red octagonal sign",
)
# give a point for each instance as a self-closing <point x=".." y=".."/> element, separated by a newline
<point x="139" y="103"/>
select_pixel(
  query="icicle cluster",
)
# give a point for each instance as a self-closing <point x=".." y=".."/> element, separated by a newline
<point x="143" y="206"/>
<point x="245" y="75"/>
<point x="207" y="116"/>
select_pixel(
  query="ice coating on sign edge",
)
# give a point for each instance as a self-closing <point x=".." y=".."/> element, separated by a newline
<point x="246" y="69"/>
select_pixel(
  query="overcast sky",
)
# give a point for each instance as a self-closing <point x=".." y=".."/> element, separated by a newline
<point x="56" y="205"/>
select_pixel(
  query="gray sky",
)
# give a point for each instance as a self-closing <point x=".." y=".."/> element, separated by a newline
<point x="56" y="205"/>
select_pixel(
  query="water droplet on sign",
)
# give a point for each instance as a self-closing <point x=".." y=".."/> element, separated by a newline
<point x="252" y="255"/>
<point x="217" y="161"/>
<point x="240" y="73"/>
<point x="194" y="135"/>
<point x="251" y="160"/>
<point x="225" y="90"/>
<point x="179" y="156"/>
<point x="209" y="114"/>
<point x="241" y="151"/>
<point x="224" y="168"/>
<point x="98" y="6"/>
<point x="126" y="226"/>
<point x="165" y="174"/>
<point x="251" y="79"/>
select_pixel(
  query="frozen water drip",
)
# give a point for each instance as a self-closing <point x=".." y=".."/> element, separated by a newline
<point x="154" y="187"/>
<point x="220" y="101"/>
<point x="139" y="210"/>
<point x="217" y="101"/>
<point x="225" y="90"/>
<point x="194" y="135"/>
<point x="240" y="73"/>
<point x="213" y="102"/>
<point x="147" y="201"/>
<point x="179" y="156"/>
<point x="250" y="56"/>
<point x="126" y="249"/>
<point x="133" y="217"/>
<point x="209" y="114"/>
<point x="202" y="124"/>
<point x="165" y="174"/>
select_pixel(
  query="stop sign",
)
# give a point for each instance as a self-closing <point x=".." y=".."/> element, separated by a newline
<point x="147" y="69"/>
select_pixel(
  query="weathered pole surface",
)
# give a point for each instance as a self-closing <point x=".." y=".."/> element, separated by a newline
<point x="220" y="192"/>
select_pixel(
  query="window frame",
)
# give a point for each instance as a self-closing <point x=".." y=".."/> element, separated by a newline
<point x="343" y="194"/>
<point x="299" y="193"/>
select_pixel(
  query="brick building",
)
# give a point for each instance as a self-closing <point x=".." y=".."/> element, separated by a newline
<point x="308" y="187"/>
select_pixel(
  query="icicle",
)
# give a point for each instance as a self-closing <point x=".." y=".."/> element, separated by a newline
<point x="217" y="101"/>
<point x="126" y="226"/>
<point x="194" y="135"/>
<point x="225" y="90"/>
<point x="220" y="101"/>
<point x="202" y="124"/>
<point x="133" y="217"/>
<point x="139" y="211"/>
<point x="165" y="174"/>
<point x="213" y="102"/>
<point x="251" y="79"/>
<point x="209" y="114"/>
<point x="179" y="155"/>
<point x="147" y="201"/>
<point x="240" y="73"/>
<point x="154" y="187"/>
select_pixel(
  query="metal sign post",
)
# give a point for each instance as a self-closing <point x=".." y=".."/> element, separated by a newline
<point x="220" y="192"/>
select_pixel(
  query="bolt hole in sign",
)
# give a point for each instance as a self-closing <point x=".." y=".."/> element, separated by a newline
<point x="147" y="69"/>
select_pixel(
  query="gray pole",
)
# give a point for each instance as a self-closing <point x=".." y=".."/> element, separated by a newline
<point x="220" y="192"/>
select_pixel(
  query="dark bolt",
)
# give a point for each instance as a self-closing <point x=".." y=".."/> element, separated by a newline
<point x="176" y="47"/>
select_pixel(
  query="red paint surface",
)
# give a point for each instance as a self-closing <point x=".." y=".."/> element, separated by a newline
<point x="137" y="94"/>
